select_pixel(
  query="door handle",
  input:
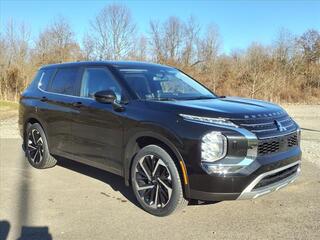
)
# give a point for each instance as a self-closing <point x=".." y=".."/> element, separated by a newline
<point x="44" y="99"/>
<point x="77" y="104"/>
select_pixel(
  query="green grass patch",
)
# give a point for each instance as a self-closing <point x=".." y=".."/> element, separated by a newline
<point x="8" y="105"/>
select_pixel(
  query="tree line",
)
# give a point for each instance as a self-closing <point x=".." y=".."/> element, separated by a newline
<point x="287" y="70"/>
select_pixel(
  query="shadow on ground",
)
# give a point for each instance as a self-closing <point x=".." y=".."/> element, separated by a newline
<point x="27" y="233"/>
<point x="114" y="181"/>
<point x="4" y="230"/>
<point x="35" y="233"/>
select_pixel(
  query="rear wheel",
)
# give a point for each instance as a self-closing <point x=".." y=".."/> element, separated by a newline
<point x="37" y="150"/>
<point x="156" y="181"/>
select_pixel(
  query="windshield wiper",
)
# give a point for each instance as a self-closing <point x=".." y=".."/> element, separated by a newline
<point x="161" y="99"/>
<point x="200" y="98"/>
<point x="165" y="99"/>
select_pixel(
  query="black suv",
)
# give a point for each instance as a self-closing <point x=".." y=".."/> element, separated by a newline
<point x="171" y="138"/>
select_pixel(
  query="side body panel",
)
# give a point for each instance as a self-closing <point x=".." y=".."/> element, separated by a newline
<point x="97" y="132"/>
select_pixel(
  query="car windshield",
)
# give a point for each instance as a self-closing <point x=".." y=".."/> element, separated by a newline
<point x="163" y="84"/>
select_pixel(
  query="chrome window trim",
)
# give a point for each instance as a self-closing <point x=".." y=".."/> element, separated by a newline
<point x="66" y="95"/>
<point x="249" y="193"/>
<point x="40" y="80"/>
<point x="61" y="94"/>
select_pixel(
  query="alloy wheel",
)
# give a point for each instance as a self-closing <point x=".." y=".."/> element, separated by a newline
<point x="35" y="146"/>
<point x="153" y="181"/>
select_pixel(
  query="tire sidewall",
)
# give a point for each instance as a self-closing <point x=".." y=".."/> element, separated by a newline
<point x="176" y="182"/>
<point x="46" y="155"/>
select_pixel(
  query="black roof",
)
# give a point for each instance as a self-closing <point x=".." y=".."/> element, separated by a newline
<point x="99" y="63"/>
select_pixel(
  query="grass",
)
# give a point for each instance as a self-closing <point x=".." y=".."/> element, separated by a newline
<point x="8" y="109"/>
<point x="8" y="105"/>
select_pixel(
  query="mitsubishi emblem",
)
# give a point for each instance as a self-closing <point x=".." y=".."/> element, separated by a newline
<point x="279" y="126"/>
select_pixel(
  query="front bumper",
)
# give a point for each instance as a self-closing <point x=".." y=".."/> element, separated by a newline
<point x="244" y="185"/>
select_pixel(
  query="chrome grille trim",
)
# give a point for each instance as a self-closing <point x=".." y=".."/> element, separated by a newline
<point x="268" y="127"/>
<point x="278" y="135"/>
<point x="250" y="193"/>
<point x="265" y="130"/>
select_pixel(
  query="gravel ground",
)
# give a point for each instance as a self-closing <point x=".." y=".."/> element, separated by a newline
<point x="73" y="201"/>
<point x="9" y="128"/>
<point x="308" y="117"/>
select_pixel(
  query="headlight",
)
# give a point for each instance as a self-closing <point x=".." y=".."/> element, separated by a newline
<point x="213" y="147"/>
<point x="216" y="121"/>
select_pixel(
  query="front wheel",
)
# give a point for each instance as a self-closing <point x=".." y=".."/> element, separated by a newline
<point x="156" y="181"/>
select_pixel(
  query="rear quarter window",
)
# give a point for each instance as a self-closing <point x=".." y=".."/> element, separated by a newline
<point x="45" y="78"/>
<point x="33" y="84"/>
<point x="65" y="81"/>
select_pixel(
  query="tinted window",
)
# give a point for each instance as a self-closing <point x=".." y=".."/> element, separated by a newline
<point x="36" y="79"/>
<point x="64" y="81"/>
<point x="98" y="79"/>
<point x="163" y="83"/>
<point x="45" y="78"/>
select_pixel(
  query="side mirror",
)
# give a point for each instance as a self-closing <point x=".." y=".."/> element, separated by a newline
<point x="106" y="96"/>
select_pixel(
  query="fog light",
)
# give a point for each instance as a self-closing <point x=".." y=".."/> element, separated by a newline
<point x="221" y="169"/>
<point x="213" y="147"/>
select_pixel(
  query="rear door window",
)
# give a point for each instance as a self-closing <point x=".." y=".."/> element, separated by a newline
<point x="65" y="81"/>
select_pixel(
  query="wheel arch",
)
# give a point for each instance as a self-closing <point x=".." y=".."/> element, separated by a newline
<point x="146" y="138"/>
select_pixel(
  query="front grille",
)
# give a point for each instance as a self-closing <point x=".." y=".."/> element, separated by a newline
<point x="267" y="125"/>
<point x="293" y="140"/>
<point x="268" y="147"/>
<point x="273" y="178"/>
<point x="277" y="144"/>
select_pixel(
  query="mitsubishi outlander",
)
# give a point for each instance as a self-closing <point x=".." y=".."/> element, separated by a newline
<point x="168" y="136"/>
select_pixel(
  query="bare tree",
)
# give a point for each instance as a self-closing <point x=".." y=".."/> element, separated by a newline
<point x="310" y="45"/>
<point x="16" y="40"/>
<point x="140" y="49"/>
<point x="113" y="30"/>
<point x="88" y="47"/>
<point x="191" y="37"/>
<point x="56" y="44"/>
<point x="172" y="29"/>
<point x="283" y="47"/>
<point x="210" y="44"/>
<point x="208" y="48"/>
<point x="156" y="41"/>
<point x="257" y="63"/>
<point x="287" y="70"/>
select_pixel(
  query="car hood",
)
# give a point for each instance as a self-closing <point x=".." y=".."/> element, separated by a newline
<point x="229" y="107"/>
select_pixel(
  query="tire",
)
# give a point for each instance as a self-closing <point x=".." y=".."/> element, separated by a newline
<point x="36" y="147"/>
<point x="153" y="173"/>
